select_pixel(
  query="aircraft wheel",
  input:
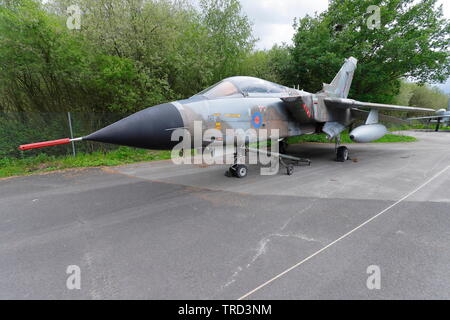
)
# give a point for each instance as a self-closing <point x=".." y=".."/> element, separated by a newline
<point x="342" y="154"/>
<point x="282" y="147"/>
<point x="241" y="171"/>
<point x="231" y="172"/>
<point x="290" y="170"/>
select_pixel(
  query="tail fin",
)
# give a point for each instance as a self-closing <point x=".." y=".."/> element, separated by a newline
<point x="340" y="86"/>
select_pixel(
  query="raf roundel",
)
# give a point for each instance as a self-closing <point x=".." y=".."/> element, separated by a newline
<point x="257" y="120"/>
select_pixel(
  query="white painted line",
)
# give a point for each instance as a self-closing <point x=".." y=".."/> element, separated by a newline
<point x="342" y="237"/>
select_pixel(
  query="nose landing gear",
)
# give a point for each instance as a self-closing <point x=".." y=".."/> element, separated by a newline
<point x="238" y="171"/>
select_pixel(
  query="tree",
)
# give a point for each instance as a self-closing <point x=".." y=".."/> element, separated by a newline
<point x="412" y="42"/>
<point x="426" y="97"/>
<point x="128" y="55"/>
<point x="230" y="35"/>
<point x="273" y="65"/>
<point x="40" y="64"/>
<point x="182" y="49"/>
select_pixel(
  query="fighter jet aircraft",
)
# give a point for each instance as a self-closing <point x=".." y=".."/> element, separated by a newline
<point x="442" y="116"/>
<point x="251" y="103"/>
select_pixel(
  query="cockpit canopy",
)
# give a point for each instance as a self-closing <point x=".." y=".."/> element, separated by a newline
<point x="244" y="86"/>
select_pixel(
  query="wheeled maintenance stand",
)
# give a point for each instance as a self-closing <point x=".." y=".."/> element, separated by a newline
<point x="287" y="161"/>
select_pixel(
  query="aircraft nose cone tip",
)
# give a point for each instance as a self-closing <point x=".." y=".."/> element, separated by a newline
<point x="146" y="129"/>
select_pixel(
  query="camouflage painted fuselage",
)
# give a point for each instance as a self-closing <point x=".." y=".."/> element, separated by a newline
<point x="305" y="115"/>
<point x="234" y="103"/>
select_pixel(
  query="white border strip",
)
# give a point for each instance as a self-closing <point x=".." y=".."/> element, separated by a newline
<point x="342" y="237"/>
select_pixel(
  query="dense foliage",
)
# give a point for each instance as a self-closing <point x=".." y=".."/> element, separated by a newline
<point x="127" y="55"/>
<point x="412" y="42"/>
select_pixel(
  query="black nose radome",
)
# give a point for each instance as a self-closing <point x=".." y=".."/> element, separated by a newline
<point x="147" y="129"/>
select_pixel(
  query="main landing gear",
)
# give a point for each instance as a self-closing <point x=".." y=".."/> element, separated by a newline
<point x="438" y="125"/>
<point x="342" y="153"/>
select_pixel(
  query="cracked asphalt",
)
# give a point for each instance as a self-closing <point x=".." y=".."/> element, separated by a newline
<point x="160" y="231"/>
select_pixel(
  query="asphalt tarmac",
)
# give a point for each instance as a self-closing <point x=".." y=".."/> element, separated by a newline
<point x="160" y="231"/>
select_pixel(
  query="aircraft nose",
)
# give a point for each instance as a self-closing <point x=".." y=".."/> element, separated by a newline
<point x="146" y="129"/>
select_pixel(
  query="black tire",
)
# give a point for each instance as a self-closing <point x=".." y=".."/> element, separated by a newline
<point x="342" y="154"/>
<point x="282" y="148"/>
<point x="232" y="171"/>
<point x="290" y="170"/>
<point x="241" y="171"/>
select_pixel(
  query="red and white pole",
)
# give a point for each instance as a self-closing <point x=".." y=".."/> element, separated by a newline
<point x="47" y="144"/>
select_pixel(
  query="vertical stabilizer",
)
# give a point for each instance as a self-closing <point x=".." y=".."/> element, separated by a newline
<point x="340" y="86"/>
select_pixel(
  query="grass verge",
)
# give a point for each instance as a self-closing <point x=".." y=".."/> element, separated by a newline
<point x="345" y="138"/>
<point x="419" y="127"/>
<point x="43" y="163"/>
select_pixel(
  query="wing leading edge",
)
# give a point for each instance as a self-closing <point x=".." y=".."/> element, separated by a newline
<point x="364" y="115"/>
<point x="430" y="117"/>
<point x="349" y="104"/>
